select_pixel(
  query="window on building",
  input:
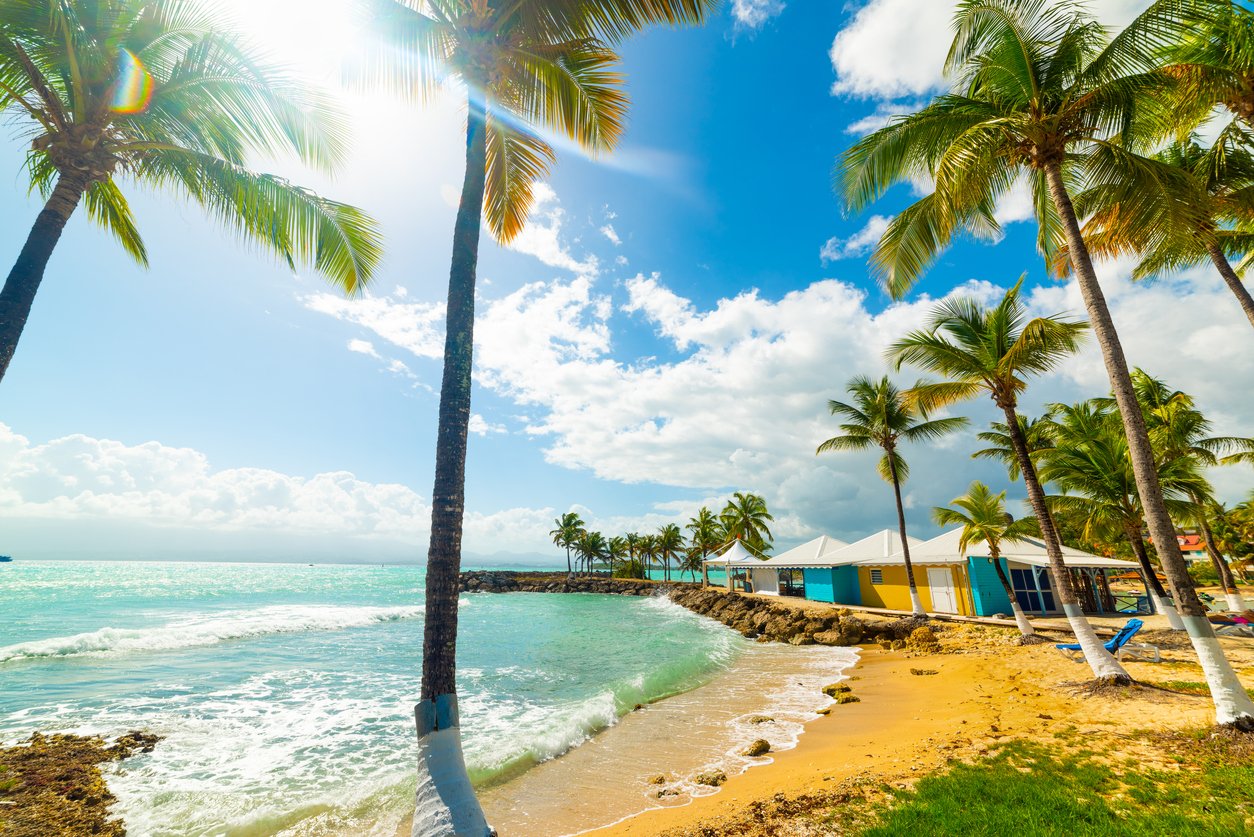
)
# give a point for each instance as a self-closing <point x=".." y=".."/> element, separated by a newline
<point x="877" y="576"/>
<point x="1032" y="590"/>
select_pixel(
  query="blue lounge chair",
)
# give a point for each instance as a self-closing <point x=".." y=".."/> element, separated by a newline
<point x="1119" y="644"/>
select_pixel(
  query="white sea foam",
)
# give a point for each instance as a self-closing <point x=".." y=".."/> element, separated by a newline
<point x="208" y="629"/>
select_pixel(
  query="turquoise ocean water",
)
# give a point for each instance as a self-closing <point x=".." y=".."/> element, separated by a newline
<point x="285" y="691"/>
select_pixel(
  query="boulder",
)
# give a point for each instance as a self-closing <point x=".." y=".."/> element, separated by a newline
<point x="836" y="689"/>
<point x="760" y="719"/>
<point x="712" y="778"/>
<point x="759" y="747"/>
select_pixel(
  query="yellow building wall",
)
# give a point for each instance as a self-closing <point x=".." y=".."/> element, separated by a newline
<point x="894" y="593"/>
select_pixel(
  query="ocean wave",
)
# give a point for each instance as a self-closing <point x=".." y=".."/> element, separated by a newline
<point x="208" y="629"/>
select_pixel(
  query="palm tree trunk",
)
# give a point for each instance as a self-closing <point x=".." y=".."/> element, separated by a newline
<point x="446" y="802"/>
<point x="28" y="271"/>
<point x="1235" y="601"/>
<point x="1233" y="706"/>
<point x="916" y="604"/>
<point x="1021" y="619"/>
<point x="1104" y="665"/>
<point x="1233" y="281"/>
<point x="1152" y="585"/>
<point x="569" y="571"/>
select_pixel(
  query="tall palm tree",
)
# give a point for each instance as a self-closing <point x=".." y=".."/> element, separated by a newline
<point x="881" y="417"/>
<point x="746" y="518"/>
<point x="992" y="351"/>
<point x="1221" y="178"/>
<point x="1039" y="94"/>
<point x="566" y="534"/>
<point x="525" y="65"/>
<point x="162" y="94"/>
<point x="1034" y="432"/>
<point x="615" y="550"/>
<point x="1089" y="462"/>
<point x="984" y="519"/>
<point x="592" y="548"/>
<point x="705" y="536"/>
<point x="1178" y="430"/>
<point x="670" y="545"/>
<point x="648" y="552"/>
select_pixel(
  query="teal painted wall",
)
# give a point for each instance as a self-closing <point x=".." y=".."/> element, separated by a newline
<point x="845" y="580"/>
<point x="986" y="590"/>
<point x="838" y="585"/>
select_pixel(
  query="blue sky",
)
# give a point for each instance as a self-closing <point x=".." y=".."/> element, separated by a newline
<point x="666" y="331"/>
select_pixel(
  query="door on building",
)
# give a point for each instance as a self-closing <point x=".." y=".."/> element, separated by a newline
<point x="941" y="583"/>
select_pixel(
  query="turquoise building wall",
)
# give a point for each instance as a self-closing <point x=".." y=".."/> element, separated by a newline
<point x="838" y="585"/>
<point x="986" y="590"/>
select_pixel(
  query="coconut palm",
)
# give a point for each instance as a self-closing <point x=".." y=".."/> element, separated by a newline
<point x="566" y="534"/>
<point x="1040" y="94"/>
<point x="706" y="535"/>
<point x="669" y="546"/>
<point x="1178" y="430"/>
<point x="648" y="551"/>
<point x="615" y="550"/>
<point x="881" y="417"/>
<point x="992" y="351"/>
<point x="984" y="519"/>
<point x="1089" y="462"/>
<point x="525" y="66"/>
<point x="162" y="94"/>
<point x="592" y="548"/>
<point x="1222" y="189"/>
<point x="1034" y="432"/>
<point x="746" y="518"/>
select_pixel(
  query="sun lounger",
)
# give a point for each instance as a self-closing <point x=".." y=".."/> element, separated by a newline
<point x="1120" y="645"/>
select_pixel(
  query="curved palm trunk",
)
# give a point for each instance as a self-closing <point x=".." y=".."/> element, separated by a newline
<point x="1233" y="706"/>
<point x="569" y="571"/>
<point x="1021" y="619"/>
<point x="1152" y="585"/>
<point x="28" y="271"/>
<point x="1236" y="602"/>
<point x="1104" y="665"/>
<point x="1233" y="281"/>
<point x="916" y="605"/>
<point x="445" y="802"/>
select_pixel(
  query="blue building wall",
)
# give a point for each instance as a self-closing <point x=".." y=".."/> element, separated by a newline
<point x="986" y="590"/>
<point x="838" y="585"/>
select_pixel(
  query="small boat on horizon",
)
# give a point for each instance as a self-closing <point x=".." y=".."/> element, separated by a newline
<point x="4" y="559"/>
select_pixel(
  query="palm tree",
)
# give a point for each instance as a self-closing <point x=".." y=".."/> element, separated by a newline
<point x="569" y="527"/>
<point x="163" y="93"/>
<point x="984" y="519"/>
<point x="1089" y="462"/>
<point x="669" y="546"/>
<point x="979" y="350"/>
<point x="525" y="65"/>
<point x="1222" y="181"/>
<point x="746" y="518"/>
<point x="706" y="536"/>
<point x="615" y="550"/>
<point x="648" y="551"/>
<point x="1039" y="94"/>
<point x="881" y="417"/>
<point x="1180" y="431"/>
<point x="1002" y="447"/>
<point x="592" y="547"/>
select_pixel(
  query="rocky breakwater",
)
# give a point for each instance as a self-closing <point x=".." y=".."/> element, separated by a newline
<point x="764" y="620"/>
<point x="505" y="581"/>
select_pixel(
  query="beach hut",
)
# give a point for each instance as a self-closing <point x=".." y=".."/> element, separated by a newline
<point x="1026" y="564"/>
<point x="805" y="564"/>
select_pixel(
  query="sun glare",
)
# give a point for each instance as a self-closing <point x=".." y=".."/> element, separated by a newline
<point x="134" y="85"/>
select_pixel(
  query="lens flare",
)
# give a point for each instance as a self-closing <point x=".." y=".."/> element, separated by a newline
<point x="133" y="90"/>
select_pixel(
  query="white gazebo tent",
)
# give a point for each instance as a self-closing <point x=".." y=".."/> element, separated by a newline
<point x="737" y="557"/>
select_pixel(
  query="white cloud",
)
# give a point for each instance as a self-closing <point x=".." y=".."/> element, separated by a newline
<point x="859" y="244"/>
<point x="895" y="48"/>
<point x="542" y="236"/>
<point x="482" y="427"/>
<point x="884" y="112"/>
<point x="417" y="327"/>
<point x="609" y="232"/>
<point x="753" y="14"/>
<point x="362" y="347"/>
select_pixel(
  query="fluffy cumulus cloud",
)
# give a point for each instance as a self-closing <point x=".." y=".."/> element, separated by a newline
<point x="416" y="327"/>
<point x="859" y="244"/>
<point x="542" y="237"/>
<point x="753" y="14"/>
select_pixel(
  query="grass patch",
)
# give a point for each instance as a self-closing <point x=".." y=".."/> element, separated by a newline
<point x="1026" y="789"/>
<point x="1188" y="687"/>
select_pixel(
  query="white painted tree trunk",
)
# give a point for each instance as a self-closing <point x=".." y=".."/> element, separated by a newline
<point x="1103" y="663"/>
<point x="1232" y="705"/>
<point x="1021" y="619"/>
<point x="916" y="604"/>
<point x="1235" y="602"/>
<point x="1164" y="607"/>
<point x="445" y="804"/>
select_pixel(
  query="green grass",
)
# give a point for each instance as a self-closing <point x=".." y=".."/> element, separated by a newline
<point x="1027" y="790"/>
<point x="1190" y="687"/>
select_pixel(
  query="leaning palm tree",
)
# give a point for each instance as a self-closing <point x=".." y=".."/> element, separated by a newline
<point x="881" y="418"/>
<point x="1039" y="94"/>
<point x="1222" y="189"/>
<point x="992" y="351"/>
<point x="984" y="519"/>
<point x="525" y="65"/>
<point x="1089" y="462"/>
<point x="746" y="518"/>
<point x="1178" y="431"/>
<point x="162" y="94"/>
<point x="566" y="534"/>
